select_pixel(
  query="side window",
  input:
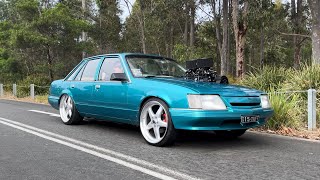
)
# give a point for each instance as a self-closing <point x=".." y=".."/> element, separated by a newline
<point x="90" y="70"/>
<point x="109" y="66"/>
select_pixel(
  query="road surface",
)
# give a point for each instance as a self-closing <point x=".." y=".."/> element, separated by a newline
<point x="35" y="144"/>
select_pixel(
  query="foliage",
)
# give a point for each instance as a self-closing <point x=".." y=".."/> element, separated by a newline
<point x="287" y="112"/>
<point x="291" y="107"/>
<point x="308" y="77"/>
<point x="267" y="78"/>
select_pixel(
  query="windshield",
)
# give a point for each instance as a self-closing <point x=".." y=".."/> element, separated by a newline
<point x="145" y="66"/>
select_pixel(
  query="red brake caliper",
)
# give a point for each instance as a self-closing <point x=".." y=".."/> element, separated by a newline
<point x="164" y="117"/>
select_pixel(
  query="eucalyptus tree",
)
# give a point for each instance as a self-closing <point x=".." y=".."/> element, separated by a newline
<point x="240" y="27"/>
<point x="315" y="14"/>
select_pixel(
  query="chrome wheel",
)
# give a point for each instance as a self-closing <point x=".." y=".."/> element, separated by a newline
<point x="153" y="122"/>
<point x="66" y="107"/>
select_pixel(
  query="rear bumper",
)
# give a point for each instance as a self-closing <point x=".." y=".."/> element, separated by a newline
<point x="189" y="119"/>
<point x="54" y="102"/>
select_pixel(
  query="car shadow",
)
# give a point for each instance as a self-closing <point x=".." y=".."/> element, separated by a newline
<point x="205" y="139"/>
<point x="185" y="139"/>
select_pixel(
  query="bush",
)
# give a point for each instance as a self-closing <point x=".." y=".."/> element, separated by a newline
<point x="41" y="86"/>
<point x="287" y="111"/>
<point x="304" y="79"/>
<point x="267" y="78"/>
<point x="290" y="108"/>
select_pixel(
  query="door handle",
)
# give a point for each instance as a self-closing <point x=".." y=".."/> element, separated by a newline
<point x="72" y="86"/>
<point x="97" y="86"/>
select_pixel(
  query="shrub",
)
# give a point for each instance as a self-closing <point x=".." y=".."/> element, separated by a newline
<point x="41" y="85"/>
<point x="304" y="79"/>
<point x="267" y="78"/>
<point x="287" y="111"/>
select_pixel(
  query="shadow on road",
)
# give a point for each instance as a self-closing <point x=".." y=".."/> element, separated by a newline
<point x="185" y="139"/>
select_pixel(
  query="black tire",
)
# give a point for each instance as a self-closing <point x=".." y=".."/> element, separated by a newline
<point x="171" y="134"/>
<point x="75" y="118"/>
<point x="231" y="134"/>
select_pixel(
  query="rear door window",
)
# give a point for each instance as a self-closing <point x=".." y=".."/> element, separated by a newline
<point x="89" y="71"/>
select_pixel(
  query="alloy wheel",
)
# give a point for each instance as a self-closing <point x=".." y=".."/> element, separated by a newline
<point x="153" y="122"/>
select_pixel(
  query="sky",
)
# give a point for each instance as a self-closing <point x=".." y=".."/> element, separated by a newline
<point x="124" y="8"/>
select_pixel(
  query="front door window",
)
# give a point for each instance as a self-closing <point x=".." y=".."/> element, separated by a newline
<point x="109" y="66"/>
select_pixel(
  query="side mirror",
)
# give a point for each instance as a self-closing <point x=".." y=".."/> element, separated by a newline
<point x="118" y="77"/>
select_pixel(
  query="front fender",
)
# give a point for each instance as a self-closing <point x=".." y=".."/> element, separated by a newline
<point x="158" y="94"/>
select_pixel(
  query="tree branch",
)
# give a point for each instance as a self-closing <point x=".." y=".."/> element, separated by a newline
<point x="293" y="34"/>
<point x="205" y="12"/>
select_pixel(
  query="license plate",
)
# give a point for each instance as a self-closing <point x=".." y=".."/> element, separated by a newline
<point x="249" y="119"/>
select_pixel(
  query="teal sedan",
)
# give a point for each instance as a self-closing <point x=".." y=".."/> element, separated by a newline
<point x="152" y="92"/>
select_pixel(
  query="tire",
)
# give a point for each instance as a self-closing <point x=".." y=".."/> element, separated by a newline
<point x="68" y="112"/>
<point x="231" y="134"/>
<point x="155" y="123"/>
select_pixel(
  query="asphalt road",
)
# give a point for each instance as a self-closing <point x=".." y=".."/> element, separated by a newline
<point x="37" y="145"/>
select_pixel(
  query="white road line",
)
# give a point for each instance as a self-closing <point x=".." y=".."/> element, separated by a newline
<point x="95" y="153"/>
<point x="43" y="112"/>
<point x="107" y="151"/>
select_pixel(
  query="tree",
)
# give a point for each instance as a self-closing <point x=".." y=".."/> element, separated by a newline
<point x="239" y="21"/>
<point x="225" y="23"/>
<point x="315" y="15"/>
<point x="107" y="26"/>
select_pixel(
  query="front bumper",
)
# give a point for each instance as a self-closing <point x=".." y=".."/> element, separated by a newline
<point x="190" y="119"/>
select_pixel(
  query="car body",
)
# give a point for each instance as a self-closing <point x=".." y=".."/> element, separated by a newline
<point x="122" y="99"/>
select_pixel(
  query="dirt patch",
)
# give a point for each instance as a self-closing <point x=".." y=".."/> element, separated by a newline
<point x="38" y="99"/>
<point x="301" y="133"/>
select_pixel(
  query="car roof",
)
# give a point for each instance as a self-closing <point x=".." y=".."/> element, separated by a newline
<point x="124" y="54"/>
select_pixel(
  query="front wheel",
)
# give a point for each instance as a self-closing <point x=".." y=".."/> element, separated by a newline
<point x="230" y="134"/>
<point x="68" y="112"/>
<point x="155" y="123"/>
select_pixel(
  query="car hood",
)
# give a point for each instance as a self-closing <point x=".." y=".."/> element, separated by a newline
<point x="226" y="90"/>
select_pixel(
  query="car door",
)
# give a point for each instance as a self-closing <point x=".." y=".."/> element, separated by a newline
<point x="110" y="97"/>
<point x="82" y="86"/>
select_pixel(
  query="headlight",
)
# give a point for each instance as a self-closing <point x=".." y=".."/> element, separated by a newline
<point x="265" y="103"/>
<point x="208" y="102"/>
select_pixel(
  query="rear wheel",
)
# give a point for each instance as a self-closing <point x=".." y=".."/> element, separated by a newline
<point x="155" y="123"/>
<point x="68" y="112"/>
<point x="230" y="134"/>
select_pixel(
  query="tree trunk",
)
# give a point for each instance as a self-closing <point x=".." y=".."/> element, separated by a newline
<point x="262" y="46"/>
<point x="296" y="16"/>
<point x="315" y="14"/>
<point x="49" y="58"/>
<point x="84" y="34"/>
<point x="171" y="41"/>
<point x="186" y="23"/>
<point x="217" y="25"/>
<point x="225" y="38"/>
<point x="192" y="23"/>
<point x="229" y="63"/>
<point x="141" y="26"/>
<point x="251" y="52"/>
<point x="240" y="29"/>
